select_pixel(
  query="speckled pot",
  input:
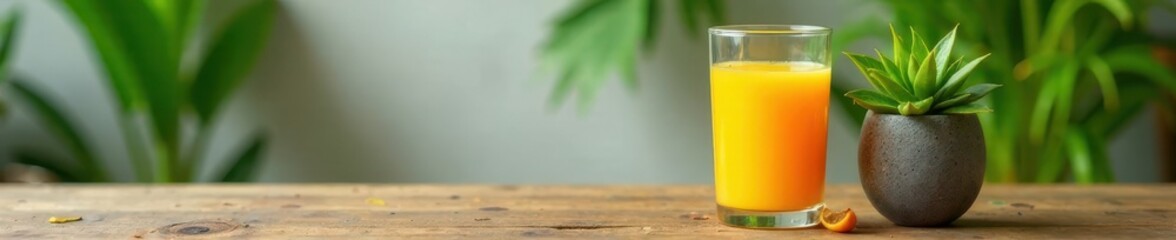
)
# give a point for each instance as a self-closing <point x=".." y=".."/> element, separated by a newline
<point x="921" y="171"/>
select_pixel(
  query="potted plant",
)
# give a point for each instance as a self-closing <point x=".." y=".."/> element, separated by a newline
<point x="922" y="153"/>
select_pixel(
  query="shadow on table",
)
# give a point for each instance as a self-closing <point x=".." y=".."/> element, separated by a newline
<point x="998" y="223"/>
<point x="875" y="227"/>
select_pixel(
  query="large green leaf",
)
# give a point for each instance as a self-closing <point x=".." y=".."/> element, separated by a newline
<point x="232" y="54"/>
<point x="179" y="18"/>
<point x="61" y="126"/>
<point x="143" y="63"/>
<point x="8" y="35"/>
<point x="156" y="63"/>
<point x="120" y="70"/>
<point x="244" y="167"/>
<point x="596" y="38"/>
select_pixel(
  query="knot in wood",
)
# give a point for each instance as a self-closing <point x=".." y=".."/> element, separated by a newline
<point x="200" y="227"/>
<point x="192" y="230"/>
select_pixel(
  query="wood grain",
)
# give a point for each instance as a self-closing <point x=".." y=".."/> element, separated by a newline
<point x="526" y="211"/>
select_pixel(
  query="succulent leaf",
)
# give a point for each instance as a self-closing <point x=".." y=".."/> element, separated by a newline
<point x="900" y="52"/>
<point x="892" y="70"/>
<point x="953" y="84"/>
<point x="918" y="47"/>
<point x="864" y="63"/>
<point x="889" y="86"/>
<point x="950" y="102"/>
<point x="925" y="79"/>
<point x="978" y="91"/>
<point x="912" y="69"/>
<point x="915" y="108"/>
<point x="907" y="109"/>
<point x="967" y="109"/>
<point x="944" y="46"/>
<point x="943" y="76"/>
<point x="875" y="101"/>
<point x="877" y="108"/>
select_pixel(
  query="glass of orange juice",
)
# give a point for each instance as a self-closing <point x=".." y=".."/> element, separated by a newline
<point x="769" y="106"/>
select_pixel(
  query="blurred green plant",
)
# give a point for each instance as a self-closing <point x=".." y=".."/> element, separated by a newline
<point x="7" y="32"/>
<point x="598" y="37"/>
<point x="142" y="45"/>
<point x="1074" y="71"/>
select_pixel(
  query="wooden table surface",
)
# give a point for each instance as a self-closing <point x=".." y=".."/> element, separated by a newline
<point x="352" y="211"/>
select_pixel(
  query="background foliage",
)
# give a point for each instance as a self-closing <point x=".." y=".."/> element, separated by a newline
<point x="1074" y="71"/>
<point x="142" y="46"/>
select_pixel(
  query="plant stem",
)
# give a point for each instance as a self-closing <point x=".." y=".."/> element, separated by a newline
<point x="163" y="163"/>
<point x="134" y="143"/>
<point x="1032" y="24"/>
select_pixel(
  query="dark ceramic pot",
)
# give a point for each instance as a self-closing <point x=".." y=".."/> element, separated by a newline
<point x="921" y="171"/>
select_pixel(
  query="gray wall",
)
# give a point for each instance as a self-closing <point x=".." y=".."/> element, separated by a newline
<point x="447" y="91"/>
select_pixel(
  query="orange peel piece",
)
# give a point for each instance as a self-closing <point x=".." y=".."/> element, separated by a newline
<point x="838" y="221"/>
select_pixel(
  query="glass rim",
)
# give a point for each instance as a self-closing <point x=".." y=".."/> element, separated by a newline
<point x="768" y="29"/>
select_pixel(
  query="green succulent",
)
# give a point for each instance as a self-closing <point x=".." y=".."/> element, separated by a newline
<point x="919" y="81"/>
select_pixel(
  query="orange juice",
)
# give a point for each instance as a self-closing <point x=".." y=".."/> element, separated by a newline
<point x="770" y="128"/>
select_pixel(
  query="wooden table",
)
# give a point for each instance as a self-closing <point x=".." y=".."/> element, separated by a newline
<point x="524" y="211"/>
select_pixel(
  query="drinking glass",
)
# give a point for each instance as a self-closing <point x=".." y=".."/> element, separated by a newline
<point x="769" y="107"/>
